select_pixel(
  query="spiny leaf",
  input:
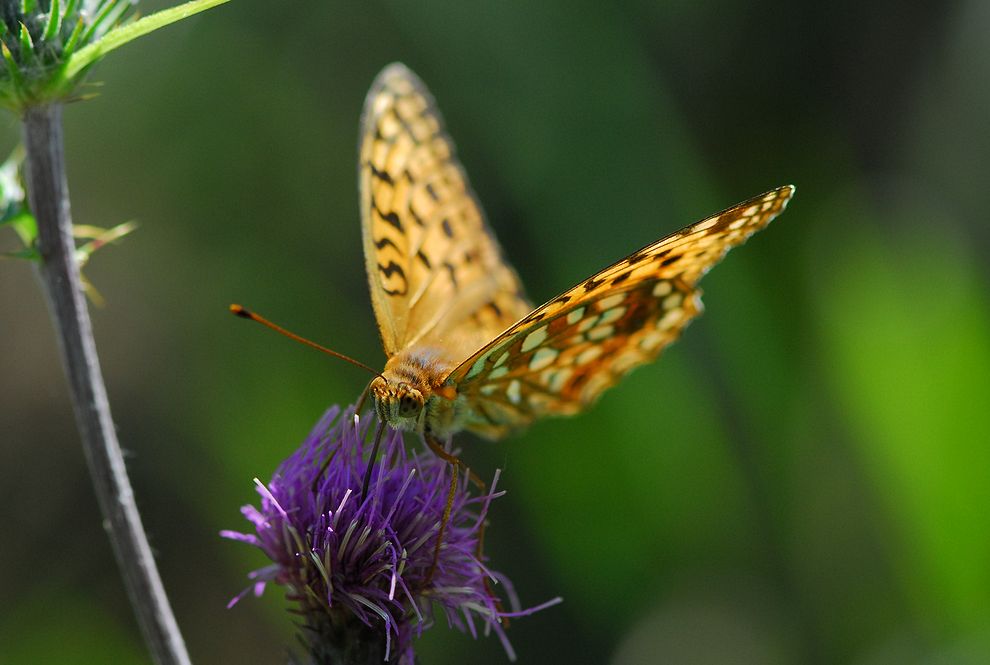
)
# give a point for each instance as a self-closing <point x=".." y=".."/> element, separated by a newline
<point x="27" y="45"/>
<point x="73" y="39"/>
<point x="103" y="237"/>
<point x="94" y="296"/>
<point x="105" y="11"/>
<point x="25" y="227"/>
<point x="12" y="68"/>
<point x="54" y="22"/>
<point x="117" y="37"/>
<point x="70" y="8"/>
<point x="29" y="254"/>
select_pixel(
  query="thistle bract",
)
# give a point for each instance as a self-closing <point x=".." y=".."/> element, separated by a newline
<point x="359" y="566"/>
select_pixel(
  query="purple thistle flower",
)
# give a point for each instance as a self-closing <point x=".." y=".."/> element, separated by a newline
<point x="358" y="567"/>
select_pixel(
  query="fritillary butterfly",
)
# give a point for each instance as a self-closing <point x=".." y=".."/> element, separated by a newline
<point x="466" y="350"/>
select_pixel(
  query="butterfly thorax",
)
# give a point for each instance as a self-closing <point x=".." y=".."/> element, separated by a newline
<point x="411" y="395"/>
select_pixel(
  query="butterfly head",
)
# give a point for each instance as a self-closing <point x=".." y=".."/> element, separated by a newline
<point x="398" y="403"/>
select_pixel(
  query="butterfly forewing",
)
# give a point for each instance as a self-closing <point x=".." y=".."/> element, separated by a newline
<point x="562" y="356"/>
<point x="436" y="272"/>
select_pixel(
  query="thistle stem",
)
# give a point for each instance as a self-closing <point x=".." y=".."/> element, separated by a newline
<point x="48" y="196"/>
<point x="334" y="638"/>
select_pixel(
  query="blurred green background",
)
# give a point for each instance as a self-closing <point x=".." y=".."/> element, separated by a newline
<point x="802" y="479"/>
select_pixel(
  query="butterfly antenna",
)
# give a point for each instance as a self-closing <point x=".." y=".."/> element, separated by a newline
<point x="237" y="310"/>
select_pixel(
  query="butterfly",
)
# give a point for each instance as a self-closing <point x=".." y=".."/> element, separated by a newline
<point x="466" y="349"/>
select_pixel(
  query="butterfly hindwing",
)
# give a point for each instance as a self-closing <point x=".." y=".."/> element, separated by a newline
<point x="435" y="270"/>
<point x="562" y="356"/>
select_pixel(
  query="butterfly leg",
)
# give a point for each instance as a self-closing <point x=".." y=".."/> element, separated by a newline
<point x="479" y="554"/>
<point x="456" y="465"/>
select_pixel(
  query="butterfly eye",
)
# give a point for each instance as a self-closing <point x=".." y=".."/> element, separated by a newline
<point x="410" y="404"/>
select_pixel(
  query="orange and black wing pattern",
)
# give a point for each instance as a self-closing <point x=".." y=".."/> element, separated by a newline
<point x="559" y="358"/>
<point x="435" y="270"/>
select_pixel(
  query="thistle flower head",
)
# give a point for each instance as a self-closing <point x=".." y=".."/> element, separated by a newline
<point x="359" y="566"/>
<point x="49" y="45"/>
<point x="38" y="32"/>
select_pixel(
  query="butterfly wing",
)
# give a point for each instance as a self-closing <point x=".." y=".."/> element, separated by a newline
<point x="562" y="356"/>
<point x="435" y="271"/>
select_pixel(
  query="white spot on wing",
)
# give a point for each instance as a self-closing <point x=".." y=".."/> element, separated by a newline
<point x="601" y="332"/>
<point x="661" y="289"/>
<point x="670" y="319"/>
<point x="610" y="302"/>
<point x="651" y="341"/>
<point x="513" y="392"/>
<point x="627" y="361"/>
<point x="555" y="379"/>
<point x="476" y="368"/>
<point x="587" y="324"/>
<point x="597" y="383"/>
<point x="575" y="315"/>
<point x="542" y="358"/>
<point x="612" y="315"/>
<point x="534" y="339"/>
<point x="589" y="354"/>
<point x="673" y="301"/>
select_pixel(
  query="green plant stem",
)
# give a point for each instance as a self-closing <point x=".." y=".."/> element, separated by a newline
<point x="338" y="638"/>
<point x="48" y="196"/>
